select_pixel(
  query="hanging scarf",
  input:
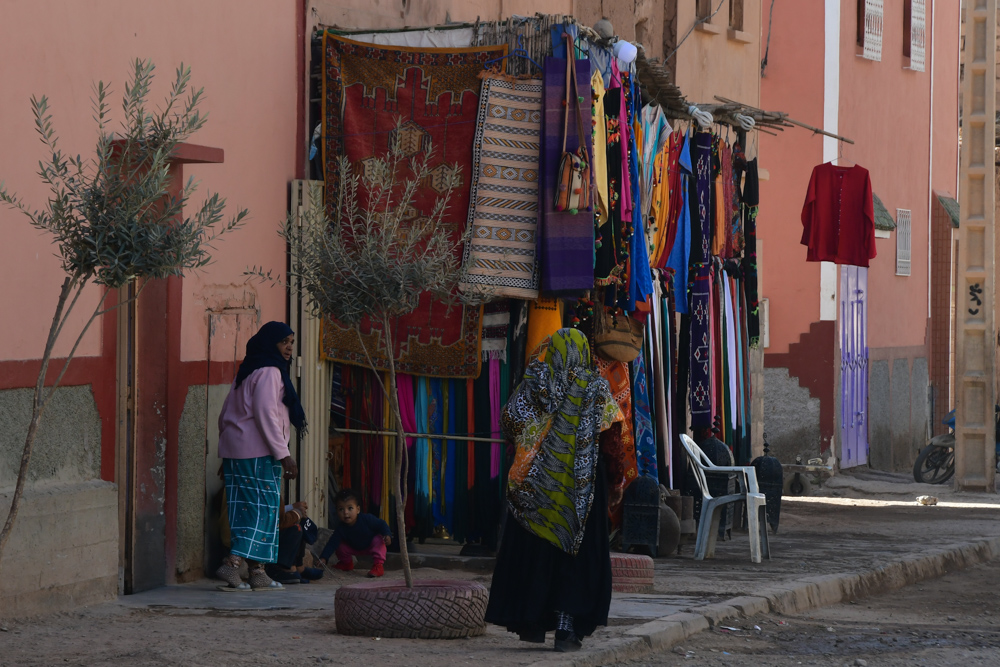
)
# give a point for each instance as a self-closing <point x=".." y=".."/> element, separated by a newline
<point x="617" y="375"/>
<point x="436" y="418"/>
<point x="407" y="410"/>
<point x="680" y="206"/>
<point x="422" y="488"/>
<point x="645" y="443"/>
<point x="262" y="352"/>
<point x="496" y="321"/>
<point x="553" y="419"/>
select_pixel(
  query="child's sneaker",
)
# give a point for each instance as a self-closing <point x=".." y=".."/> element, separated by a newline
<point x="377" y="570"/>
<point x="344" y="565"/>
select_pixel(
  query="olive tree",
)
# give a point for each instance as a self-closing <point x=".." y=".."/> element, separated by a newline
<point x="375" y="259"/>
<point x="113" y="216"/>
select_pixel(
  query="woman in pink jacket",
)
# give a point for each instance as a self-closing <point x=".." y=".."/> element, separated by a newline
<point x="254" y="430"/>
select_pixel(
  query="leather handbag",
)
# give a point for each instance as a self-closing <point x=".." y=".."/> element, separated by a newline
<point x="617" y="337"/>
<point x="573" y="193"/>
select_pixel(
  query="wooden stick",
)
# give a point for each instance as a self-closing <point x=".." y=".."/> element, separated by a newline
<point x="785" y="117"/>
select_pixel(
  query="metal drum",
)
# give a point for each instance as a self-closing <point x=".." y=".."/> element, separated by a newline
<point x="770" y="479"/>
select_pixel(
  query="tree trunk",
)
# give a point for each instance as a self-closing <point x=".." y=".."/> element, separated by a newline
<point x="397" y="480"/>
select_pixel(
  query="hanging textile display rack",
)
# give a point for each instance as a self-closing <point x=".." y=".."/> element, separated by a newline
<point x="781" y="116"/>
<point x="664" y="268"/>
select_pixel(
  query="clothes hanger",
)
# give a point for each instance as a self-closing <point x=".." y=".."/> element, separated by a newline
<point x="840" y="156"/>
<point x="519" y="51"/>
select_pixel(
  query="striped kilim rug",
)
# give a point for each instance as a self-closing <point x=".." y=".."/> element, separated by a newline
<point x="500" y="255"/>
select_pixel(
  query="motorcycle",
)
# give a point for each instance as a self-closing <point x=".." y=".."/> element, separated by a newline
<point x="936" y="462"/>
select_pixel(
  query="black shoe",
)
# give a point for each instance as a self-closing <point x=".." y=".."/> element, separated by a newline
<point x="281" y="576"/>
<point x="532" y="636"/>
<point x="568" y="645"/>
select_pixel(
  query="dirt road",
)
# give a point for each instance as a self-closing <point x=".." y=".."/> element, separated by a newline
<point x="947" y="621"/>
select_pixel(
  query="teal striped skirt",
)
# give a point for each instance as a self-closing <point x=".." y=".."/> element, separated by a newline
<point x="253" y="496"/>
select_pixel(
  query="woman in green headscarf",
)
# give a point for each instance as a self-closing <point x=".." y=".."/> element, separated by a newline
<point x="553" y="569"/>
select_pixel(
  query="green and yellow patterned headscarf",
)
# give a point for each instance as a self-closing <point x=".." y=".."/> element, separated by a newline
<point x="554" y="419"/>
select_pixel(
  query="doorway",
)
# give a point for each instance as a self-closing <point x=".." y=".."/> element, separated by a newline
<point x="853" y="366"/>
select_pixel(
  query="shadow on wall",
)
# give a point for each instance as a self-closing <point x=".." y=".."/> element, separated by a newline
<point x="791" y="417"/>
<point x="898" y="411"/>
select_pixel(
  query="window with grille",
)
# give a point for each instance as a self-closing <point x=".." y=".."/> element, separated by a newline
<point x="914" y="23"/>
<point x="902" y="242"/>
<point x="870" y="13"/>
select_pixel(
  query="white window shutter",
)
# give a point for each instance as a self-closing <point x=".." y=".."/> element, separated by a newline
<point x="917" y="34"/>
<point x="874" y="12"/>
<point x="902" y="242"/>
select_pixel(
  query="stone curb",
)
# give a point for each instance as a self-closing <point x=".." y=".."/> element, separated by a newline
<point x="795" y="596"/>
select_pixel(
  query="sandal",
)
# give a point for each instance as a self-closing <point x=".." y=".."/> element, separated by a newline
<point x="229" y="572"/>
<point x="259" y="581"/>
<point x="283" y="577"/>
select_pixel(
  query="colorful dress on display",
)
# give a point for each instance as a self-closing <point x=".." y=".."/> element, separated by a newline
<point x="681" y="189"/>
<point x="609" y="265"/>
<point x="750" y="199"/>
<point x="838" y="217"/>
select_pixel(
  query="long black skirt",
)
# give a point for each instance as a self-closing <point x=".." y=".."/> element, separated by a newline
<point x="533" y="579"/>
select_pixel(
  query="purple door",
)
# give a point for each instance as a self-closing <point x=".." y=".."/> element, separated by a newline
<point x="853" y="366"/>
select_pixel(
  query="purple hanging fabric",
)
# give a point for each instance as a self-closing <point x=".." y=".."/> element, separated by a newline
<point x="565" y="240"/>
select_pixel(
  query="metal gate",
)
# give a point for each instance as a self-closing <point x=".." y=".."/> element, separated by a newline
<point x="853" y="366"/>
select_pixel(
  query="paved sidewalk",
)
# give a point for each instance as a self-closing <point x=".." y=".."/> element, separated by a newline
<point x="829" y="547"/>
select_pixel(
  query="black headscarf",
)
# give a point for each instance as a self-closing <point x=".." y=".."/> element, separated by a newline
<point x="262" y="352"/>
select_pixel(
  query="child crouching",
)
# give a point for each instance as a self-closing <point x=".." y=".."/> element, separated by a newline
<point x="357" y="534"/>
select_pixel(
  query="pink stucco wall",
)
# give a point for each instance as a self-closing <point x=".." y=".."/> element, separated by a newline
<point x="885" y="109"/>
<point x="243" y="52"/>
<point x="793" y="83"/>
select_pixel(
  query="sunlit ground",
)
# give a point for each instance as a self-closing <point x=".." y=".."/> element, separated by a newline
<point x="970" y="501"/>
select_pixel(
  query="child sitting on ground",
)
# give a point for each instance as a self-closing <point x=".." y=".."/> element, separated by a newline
<point x="357" y="534"/>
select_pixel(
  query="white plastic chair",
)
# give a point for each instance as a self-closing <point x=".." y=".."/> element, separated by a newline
<point x="711" y="508"/>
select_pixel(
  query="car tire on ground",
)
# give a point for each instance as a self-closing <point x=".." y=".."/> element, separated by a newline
<point x="434" y="609"/>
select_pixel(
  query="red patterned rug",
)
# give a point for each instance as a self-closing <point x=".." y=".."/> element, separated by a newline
<point x="367" y="89"/>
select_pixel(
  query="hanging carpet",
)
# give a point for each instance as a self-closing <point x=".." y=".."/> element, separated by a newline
<point x="500" y="255"/>
<point x="367" y="90"/>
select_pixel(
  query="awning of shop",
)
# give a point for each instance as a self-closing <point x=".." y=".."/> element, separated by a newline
<point x="883" y="220"/>
<point x="951" y="206"/>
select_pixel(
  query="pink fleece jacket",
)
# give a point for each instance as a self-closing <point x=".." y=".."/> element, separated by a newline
<point x="254" y="422"/>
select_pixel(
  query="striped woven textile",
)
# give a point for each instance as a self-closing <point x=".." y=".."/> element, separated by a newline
<point x="500" y="255"/>
<point x="253" y="496"/>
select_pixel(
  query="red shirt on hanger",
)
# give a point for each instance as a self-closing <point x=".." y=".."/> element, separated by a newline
<point x="838" y="218"/>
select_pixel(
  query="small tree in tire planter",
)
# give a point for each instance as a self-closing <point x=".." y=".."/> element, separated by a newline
<point x="375" y="260"/>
